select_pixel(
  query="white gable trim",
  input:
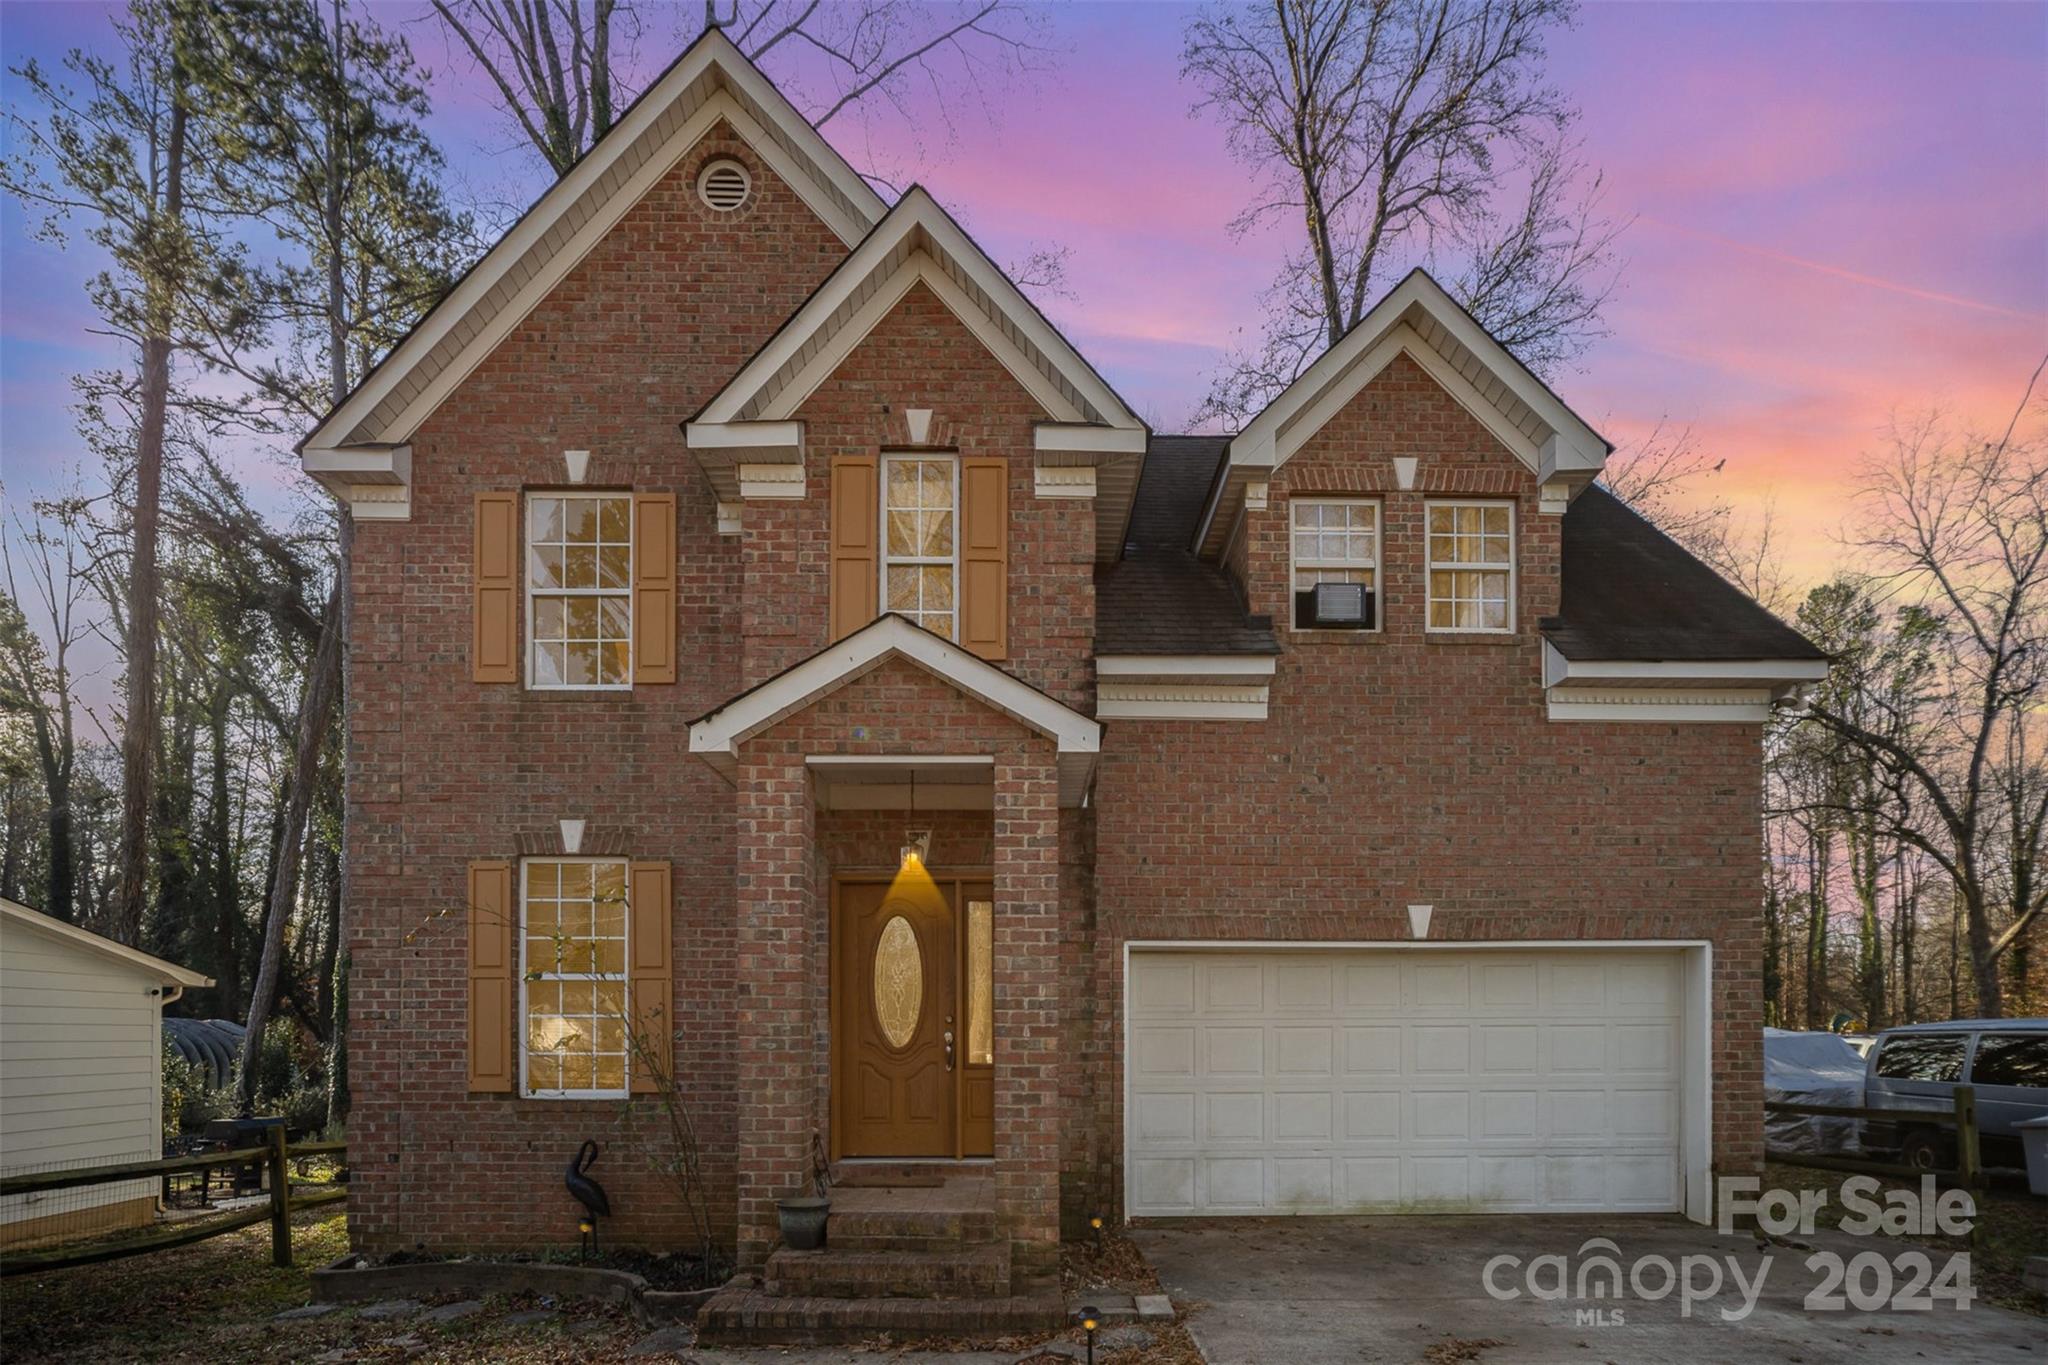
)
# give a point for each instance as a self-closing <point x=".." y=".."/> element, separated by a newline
<point x="155" y="968"/>
<point x="1530" y="420"/>
<point x="844" y="339"/>
<point x="716" y="738"/>
<point x="817" y="337"/>
<point x="1402" y="340"/>
<point x="830" y="186"/>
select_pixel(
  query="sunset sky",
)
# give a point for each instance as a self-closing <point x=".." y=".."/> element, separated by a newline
<point x="1839" y="212"/>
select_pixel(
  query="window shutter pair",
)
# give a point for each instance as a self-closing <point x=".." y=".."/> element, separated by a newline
<point x="495" y="605"/>
<point x="982" y="529"/>
<point x="494" y="975"/>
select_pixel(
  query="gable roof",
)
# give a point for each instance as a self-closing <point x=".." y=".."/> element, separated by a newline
<point x="361" y="441"/>
<point x="717" y="735"/>
<point x="1417" y="318"/>
<point x="751" y="419"/>
<point x="1159" y="599"/>
<point x="1630" y="592"/>
<point x="170" y="973"/>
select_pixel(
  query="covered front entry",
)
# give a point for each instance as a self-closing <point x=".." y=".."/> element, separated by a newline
<point x="893" y="748"/>
<point x="913" y="1065"/>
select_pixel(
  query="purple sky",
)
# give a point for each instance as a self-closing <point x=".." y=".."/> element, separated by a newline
<point x="1841" y="211"/>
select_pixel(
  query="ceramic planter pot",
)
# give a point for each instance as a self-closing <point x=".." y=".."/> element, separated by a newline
<point x="803" y="1222"/>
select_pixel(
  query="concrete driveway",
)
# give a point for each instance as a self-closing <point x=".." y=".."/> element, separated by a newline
<point x="1315" y="1291"/>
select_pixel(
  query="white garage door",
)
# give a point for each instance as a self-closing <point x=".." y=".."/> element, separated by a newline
<point x="1328" y="1081"/>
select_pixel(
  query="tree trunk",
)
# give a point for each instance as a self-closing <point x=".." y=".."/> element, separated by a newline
<point x="1983" y="960"/>
<point x="138" y="730"/>
<point x="316" y="714"/>
<point x="227" y="887"/>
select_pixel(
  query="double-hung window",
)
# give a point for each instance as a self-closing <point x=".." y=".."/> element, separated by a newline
<point x="1471" y="567"/>
<point x="579" y="590"/>
<point x="573" y="928"/>
<point x="1335" y="541"/>
<point x="920" y="545"/>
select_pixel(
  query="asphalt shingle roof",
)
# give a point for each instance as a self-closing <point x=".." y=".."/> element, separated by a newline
<point x="1160" y="599"/>
<point x="1631" y="592"/>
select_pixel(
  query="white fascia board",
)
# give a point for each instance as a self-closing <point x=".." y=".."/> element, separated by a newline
<point x="919" y="267"/>
<point x="1738" y="707"/>
<point x="917" y="217"/>
<point x="1185" y="665"/>
<point x="720" y="734"/>
<point x="1401" y="339"/>
<point x="1560" y="671"/>
<point x="1089" y="438"/>
<point x="759" y="441"/>
<point x="1020" y="312"/>
<point x="358" y="464"/>
<point x="715" y="51"/>
<point x="50" y="926"/>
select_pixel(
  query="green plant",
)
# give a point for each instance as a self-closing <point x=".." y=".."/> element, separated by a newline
<point x="189" y="1100"/>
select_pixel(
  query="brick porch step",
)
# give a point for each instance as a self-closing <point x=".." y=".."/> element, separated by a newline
<point x="743" y="1316"/>
<point x="958" y="1272"/>
<point x="959" y="1214"/>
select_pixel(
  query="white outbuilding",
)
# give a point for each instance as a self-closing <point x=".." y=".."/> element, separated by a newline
<point x="81" y="1071"/>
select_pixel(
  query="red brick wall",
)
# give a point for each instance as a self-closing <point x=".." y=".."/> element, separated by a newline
<point x="442" y="771"/>
<point x="921" y="356"/>
<point x="787" y="850"/>
<point x="1400" y="768"/>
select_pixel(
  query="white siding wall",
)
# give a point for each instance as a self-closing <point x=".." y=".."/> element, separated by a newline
<point x="80" y="1070"/>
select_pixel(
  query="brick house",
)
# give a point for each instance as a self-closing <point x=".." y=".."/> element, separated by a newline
<point x="774" y="643"/>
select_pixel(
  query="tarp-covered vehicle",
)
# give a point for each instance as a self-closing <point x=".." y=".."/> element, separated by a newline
<point x="1811" y="1068"/>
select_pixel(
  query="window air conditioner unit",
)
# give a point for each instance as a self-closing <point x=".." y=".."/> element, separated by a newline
<point x="1334" y="606"/>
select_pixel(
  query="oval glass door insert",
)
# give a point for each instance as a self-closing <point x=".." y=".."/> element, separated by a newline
<point x="899" y="982"/>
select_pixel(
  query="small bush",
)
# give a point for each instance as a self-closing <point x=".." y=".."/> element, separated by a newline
<point x="190" y="1103"/>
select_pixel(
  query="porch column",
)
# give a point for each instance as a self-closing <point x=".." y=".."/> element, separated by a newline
<point x="1027" y="1060"/>
<point x="777" y="1065"/>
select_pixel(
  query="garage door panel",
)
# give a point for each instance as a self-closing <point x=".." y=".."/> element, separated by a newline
<point x="1237" y="1051"/>
<point x="1353" y="1080"/>
<point x="1234" y="1116"/>
<point x="1372" y="1051"/>
<point x="1440" y="986"/>
<point x="1303" y="1116"/>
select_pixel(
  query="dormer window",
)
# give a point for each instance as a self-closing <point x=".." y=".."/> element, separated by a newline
<point x="1472" y="567"/>
<point x="920" y="563"/>
<point x="1336" y="541"/>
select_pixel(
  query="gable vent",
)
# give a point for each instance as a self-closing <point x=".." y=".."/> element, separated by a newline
<point x="723" y="185"/>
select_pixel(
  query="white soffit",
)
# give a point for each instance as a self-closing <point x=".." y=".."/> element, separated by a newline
<point x="711" y="81"/>
<point x="919" y="243"/>
<point x="717" y="737"/>
<point x="1419" y="319"/>
<point x="1740" y="691"/>
<point x="1183" y="686"/>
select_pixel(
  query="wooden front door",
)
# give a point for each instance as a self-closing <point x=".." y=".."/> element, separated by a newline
<point x="901" y="1073"/>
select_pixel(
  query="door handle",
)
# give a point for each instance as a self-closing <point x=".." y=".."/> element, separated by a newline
<point x="949" y="1049"/>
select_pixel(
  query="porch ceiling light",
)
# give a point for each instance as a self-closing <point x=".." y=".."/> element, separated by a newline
<point x="917" y="843"/>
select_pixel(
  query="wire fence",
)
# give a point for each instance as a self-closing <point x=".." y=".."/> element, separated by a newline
<point x="60" y="1213"/>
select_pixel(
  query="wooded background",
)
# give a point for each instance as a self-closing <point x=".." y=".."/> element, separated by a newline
<point x="275" y="217"/>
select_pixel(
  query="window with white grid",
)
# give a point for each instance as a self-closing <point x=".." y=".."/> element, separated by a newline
<point x="920" y="496"/>
<point x="573" y="977"/>
<point x="1335" y="541"/>
<point x="579" y="590"/>
<point x="1471" y="567"/>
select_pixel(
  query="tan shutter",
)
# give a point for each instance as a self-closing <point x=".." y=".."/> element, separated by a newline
<point x="651" y="985"/>
<point x="856" y="508"/>
<point x="494" y="556"/>
<point x="654" y="588"/>
<point x="985" y="556"/>
<point x="493" y="976"/>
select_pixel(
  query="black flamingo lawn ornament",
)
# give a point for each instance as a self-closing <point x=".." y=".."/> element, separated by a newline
<point x="589" y="1194"/>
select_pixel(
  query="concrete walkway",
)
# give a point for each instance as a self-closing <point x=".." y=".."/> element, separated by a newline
<point x="1318" y="1291"/>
